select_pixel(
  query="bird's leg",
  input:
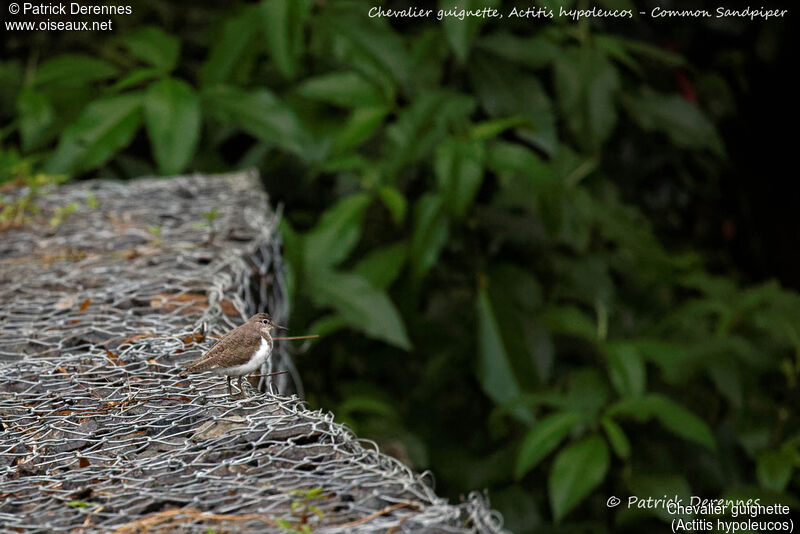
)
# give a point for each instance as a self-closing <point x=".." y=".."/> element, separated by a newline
<point x="230" y="392"/>
<point x="240" y="386"/>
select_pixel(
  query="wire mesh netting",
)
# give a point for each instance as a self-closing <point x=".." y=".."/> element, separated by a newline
<point x="98" y="430"/>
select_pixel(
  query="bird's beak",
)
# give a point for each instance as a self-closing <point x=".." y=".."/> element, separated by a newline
<point x="279" y="327"/>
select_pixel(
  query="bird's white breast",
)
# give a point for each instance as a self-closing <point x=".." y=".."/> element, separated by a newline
<point x="256" y="360"/>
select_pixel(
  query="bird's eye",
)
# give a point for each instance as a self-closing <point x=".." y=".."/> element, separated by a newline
<point x="264" y="321"/>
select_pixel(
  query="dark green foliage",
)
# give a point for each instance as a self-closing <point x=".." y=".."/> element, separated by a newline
<point x="488" y="304"/>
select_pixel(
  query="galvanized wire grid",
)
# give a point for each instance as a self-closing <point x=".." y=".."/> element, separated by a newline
<point x="99" y="432"/>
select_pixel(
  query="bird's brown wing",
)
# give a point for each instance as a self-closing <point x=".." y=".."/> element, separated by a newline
<point x="217" y="341"/>
<point x="236" y="342"/>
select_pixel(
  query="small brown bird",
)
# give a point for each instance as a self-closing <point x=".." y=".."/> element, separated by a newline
<point x="239" y="352"/>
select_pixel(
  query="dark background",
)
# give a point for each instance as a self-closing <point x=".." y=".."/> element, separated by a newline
<point x="553" y="260"/>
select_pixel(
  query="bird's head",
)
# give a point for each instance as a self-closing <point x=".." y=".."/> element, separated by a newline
<point x="265" y="323"/>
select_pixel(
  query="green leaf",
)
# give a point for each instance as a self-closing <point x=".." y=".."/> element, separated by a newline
<point x="459" y="173"/>
<point x="511" y="292"/>
<point x="460" y="33"/>
<point x="327" y="325"/>
<point x="172" y="116"/>
<point x="774" y="469"/>
<point x="347" y="162"/>
<point x="360" y="126"/>
<point x="569" y="320"/>
<point x="134" y="78"/>
<point x="232" y="49"/>
<point x="521" y="287"/>
<point x="671" y="415"/>
<point x="617" y="438"/>
<point x="495" y="370"/>
<point x="673" y="360"/>
<point x="587" y="392"/>
<point x="283" y="22"/>
<point x="507" y="91"/>
<point x="493" y="128"/>
<point x="534" y="52"/>
<point x="103" y="128"/>
<point x="429" y="53"/>
<point x="587" y="85"/>
<point x="429" y="235"/>
<point x="573" y="219"/>
<point x="420" y="127"/>
<point x="153" y="46"/>
<point x="345" y="89"/>
<point x="361" y="305"/>
<point x="626" y="369"/>
<point x="372" y="48"/>
<point x="540" y="347"/>
<point x="685" y="124"/>
<point x="394" y="201"/>
<point x="727" y="377"/>
<point x="336" y="233"/>
<point x="73" y="70"/>
<point x="10" y="86"/>
<point x="615" y="49"/>
<point x="587" y="280"/>
<point x="368" y="404"/>
<point x="577" y="470"/>
<point x="542" y="439"/>
<point x="655" y="53"/>
<point x="511" y="160"/>
<point x="293" y="256"/>
<point x="36" y="116"/>
<point x="261" y="114"/>
<point x="382" y="265"/>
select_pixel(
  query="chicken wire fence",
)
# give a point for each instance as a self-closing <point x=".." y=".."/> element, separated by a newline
<point x="98" y="430"/>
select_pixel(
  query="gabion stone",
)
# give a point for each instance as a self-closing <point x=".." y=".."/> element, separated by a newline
<point x="98" y="430"/>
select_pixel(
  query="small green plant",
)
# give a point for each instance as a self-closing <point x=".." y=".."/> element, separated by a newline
<point x="210" y="217"/>
<point x="82" y="504"/>
<point x="13" y="166"/>
<point x="14" y="213"/>
<point x="62" y="213"/>
<point x="92" y="201"/>
<point x="303" y="509"/>
<point x="291" y="527"/>
<point x="155" y="231"/>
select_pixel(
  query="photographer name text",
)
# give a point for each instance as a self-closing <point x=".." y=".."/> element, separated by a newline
<point x="63" y="10"/>
<point x="74" y="8"/>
